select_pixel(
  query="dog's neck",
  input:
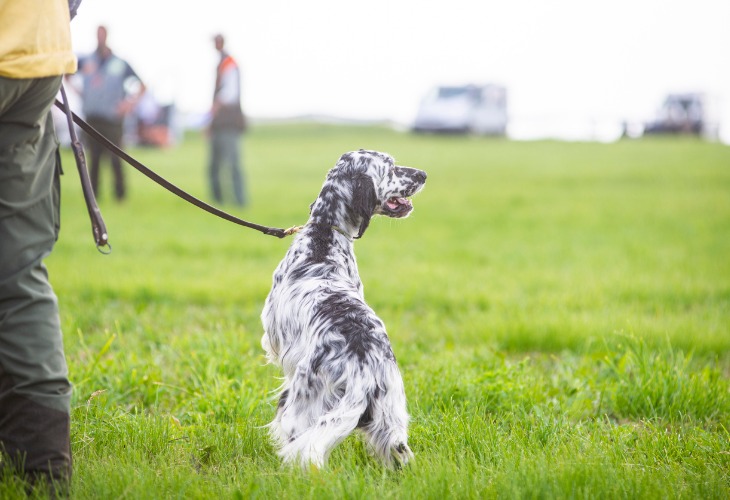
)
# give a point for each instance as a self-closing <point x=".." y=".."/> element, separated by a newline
<point x="332" y="210"/>
<point x="332" y="227"/>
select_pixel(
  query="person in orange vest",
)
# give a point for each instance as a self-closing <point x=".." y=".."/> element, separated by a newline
<point x="227" y="126"/>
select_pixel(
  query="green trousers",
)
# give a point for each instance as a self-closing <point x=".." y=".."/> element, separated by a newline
<point x="35" y="392"/>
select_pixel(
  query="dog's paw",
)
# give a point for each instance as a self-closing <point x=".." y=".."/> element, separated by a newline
<point x="401" y="455"/>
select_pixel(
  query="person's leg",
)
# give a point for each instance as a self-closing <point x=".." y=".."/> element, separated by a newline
<point x="216" y="151"/>
<point x="112" y="131"/>
<point x="35" y="392"/>
<point x="95" y="152"/>
<point x="234" y="150"/>
<point x="115" y="132"/>
<point x="120" y="191"/>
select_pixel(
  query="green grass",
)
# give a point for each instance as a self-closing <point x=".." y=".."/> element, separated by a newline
<point x="560" y="313"/>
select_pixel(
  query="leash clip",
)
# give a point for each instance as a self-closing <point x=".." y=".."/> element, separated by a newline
<point x="103" y="245"/>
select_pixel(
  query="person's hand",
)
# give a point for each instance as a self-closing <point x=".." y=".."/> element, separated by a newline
<point x="125" y="107"/>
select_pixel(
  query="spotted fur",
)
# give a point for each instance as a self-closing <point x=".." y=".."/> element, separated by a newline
<point x="340" y="373"/>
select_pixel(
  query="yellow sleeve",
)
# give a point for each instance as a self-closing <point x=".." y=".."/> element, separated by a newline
<point x="36" y="39"/>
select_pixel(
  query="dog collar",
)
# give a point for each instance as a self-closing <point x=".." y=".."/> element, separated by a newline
<point x="334" y="228"/>
<point x="342" y="232"/>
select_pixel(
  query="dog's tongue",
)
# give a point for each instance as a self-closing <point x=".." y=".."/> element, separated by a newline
<point x="394" y="203"/>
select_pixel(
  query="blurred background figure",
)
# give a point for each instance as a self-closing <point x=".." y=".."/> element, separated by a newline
<point x="110" y="90"/>
<point x="226" y="126"/>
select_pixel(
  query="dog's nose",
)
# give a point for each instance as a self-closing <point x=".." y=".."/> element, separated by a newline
<point x="421" y="176"/>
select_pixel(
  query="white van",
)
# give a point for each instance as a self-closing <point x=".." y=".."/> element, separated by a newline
<point x="477" y="109"/>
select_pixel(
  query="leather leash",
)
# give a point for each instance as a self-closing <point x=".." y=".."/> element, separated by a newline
<point x="101" y="237"/>
<point x="97" y="223"/>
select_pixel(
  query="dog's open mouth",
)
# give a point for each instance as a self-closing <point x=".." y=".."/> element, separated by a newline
<point x="397" y="207"/>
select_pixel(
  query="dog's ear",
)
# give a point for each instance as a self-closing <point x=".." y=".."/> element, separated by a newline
<point x="364" y="201"/>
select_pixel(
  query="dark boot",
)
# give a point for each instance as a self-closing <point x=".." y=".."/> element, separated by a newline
<point x="36" y="441"/>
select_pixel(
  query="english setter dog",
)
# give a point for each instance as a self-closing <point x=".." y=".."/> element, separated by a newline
<point x="340" y="373"/>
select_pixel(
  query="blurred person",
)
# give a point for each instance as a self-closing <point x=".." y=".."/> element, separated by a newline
<point x="226" y="126"/>
<point x="107" y="99"/>
<point x="35" y="392"/>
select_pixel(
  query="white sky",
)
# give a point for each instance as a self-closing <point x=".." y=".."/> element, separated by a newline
<point x="562" y="61"/>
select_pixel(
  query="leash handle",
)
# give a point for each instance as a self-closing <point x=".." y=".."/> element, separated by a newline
<point x="98" y="228"/>
<point x="95" y="134"/>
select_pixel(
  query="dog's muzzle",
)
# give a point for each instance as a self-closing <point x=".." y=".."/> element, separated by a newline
<point x="401" y="206"/>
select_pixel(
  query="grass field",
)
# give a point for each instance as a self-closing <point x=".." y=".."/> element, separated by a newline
<point x="560" y="313"/>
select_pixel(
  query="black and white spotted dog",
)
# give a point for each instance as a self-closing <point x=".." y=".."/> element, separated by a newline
<point x="339" y="369"/>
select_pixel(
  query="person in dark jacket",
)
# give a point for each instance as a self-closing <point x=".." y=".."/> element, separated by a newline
<point x="106" y="101"/>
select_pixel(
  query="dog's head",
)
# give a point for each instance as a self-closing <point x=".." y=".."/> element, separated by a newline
<point x="366" y="183"/>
